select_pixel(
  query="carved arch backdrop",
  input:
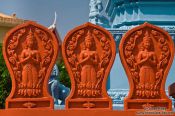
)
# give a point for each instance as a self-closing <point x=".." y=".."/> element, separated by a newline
<point x="88" y="53"/>
<point x="30" y="51"/>
<point x="147" y="53"/>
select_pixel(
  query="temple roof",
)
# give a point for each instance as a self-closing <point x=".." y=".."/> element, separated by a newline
<point x="112" y="3"/>
<point x="135" y="12"/>
<point x="10" y="20"/>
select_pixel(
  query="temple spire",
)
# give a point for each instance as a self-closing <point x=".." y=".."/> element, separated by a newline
<point x="95" y="14"/>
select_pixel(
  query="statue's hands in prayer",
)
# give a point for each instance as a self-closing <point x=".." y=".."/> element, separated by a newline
<point x="142" y="60"/>
<point x="147" y="57"/>
<point x="88" y="57"/>
<point x="84" y="59"/>
<point x="30" y="56"/>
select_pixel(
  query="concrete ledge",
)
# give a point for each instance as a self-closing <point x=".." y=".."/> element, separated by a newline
<point x="42" y="112"/>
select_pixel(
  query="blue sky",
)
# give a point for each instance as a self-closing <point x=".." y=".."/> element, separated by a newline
<point x="71" y="13"/>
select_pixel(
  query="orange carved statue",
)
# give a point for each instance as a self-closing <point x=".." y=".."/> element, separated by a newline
<point x="30" y="51"/>
<point x="88" y="52"/>
<point x="147" y="53"/>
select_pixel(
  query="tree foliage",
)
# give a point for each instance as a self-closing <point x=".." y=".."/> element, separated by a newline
<point x="64" y="77"/>
<point x="5" y="81"/>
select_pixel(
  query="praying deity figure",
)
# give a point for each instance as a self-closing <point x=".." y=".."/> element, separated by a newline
<point x="88" y="61"/>
<point x="146" y="53"/>
<point x="146" y="62"/>
<point x="29" y="59"/>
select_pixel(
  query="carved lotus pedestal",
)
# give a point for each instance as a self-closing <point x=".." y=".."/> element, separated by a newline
<point x="30" y="51"/>
<point x="88" y="52"/>
<point x="147" y="53"/>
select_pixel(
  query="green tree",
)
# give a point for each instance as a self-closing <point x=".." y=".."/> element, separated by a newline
<point x="5" y="81"/>
<point x="64" y="77"/>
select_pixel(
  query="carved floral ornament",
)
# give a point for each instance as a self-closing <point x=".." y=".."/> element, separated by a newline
<point x="88" y="52"/>
<point x="30" y="51"/>
<point x="146" y="53"/>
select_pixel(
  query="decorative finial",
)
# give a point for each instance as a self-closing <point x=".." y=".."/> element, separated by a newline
<point x="88" y="36"/>
<point x="147" y="37"/>
<point x="54" y="22"/>
<point x="30" y="35"/>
